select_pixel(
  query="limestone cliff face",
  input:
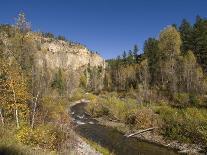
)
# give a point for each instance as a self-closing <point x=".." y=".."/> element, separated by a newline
<point x="61" y="54"/>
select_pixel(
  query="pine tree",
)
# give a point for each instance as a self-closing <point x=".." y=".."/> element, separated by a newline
<point x="135" y="52"/>
<point x="200" y="41"/>
<point x="130" y="58"/>
<point x="151" y="51"/>
<point x="124" y="56"/>
<point x="185" y="30"/>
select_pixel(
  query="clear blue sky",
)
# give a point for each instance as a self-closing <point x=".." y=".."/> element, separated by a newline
<point x="106" y="26"/>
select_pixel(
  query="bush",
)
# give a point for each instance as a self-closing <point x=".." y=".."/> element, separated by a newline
<point x="61" y="38"/>
<point x="90" y="97"/>
<point x="198" y="100"/>
<point x="186" y="99"/>
<point x="97" y="109"/>
<point x="45" y="137"/>
<point x="77" y="95"/>
<point x="181" y="99"/>
<point x="186" y="125"/>
<point x="53" y="109"/>
<point x="48" y="35"/>
<point x="6" y="135"/>
<point x="111" y="106"/>
<point x="146" y="118"/>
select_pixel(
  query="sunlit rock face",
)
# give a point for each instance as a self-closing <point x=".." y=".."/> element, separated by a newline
<point x="65" y="55"/>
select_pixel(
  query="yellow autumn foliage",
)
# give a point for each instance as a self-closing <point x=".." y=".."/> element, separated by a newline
<point x="43" y="136"/>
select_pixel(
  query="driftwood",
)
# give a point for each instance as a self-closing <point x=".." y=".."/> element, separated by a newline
<point x="139" y="132"/>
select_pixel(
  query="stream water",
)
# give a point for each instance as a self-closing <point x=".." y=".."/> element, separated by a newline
<point x="112" y="139"/>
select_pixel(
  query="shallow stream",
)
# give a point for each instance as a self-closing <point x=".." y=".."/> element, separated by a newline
<point x="112" y="139"/>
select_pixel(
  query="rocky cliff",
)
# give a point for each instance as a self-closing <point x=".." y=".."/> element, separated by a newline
<point x="65" y="55"/>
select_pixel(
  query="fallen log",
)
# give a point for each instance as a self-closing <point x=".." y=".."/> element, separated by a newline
<point x="140" y="131"/>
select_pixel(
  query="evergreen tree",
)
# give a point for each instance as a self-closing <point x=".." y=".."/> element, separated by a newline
<point x="130" y="58"/>
<point x="200" y="41"/>
<point x="185" y="30"/>
<point x="151" y="51"/>
<point x="175" y="26"/>
<point x="135" y="52"/>
<point x="58" y="82"/>
<point x="124" y="56"/>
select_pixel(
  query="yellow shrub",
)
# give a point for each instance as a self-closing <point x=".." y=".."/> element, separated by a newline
<point x="145" y="118"/>
<point x="44" y="136"/>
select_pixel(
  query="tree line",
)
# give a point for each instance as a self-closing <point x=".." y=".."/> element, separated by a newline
<point x="173" y="63"/>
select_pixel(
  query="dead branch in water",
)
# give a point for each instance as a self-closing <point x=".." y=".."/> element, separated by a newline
<point x="140" y="131"/>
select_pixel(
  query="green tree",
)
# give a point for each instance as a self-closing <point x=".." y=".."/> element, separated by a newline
<point x="185" y="30"/>
<point x="135" y="52"/>
<point x="151" y="51"/>
<point x="58" y="82"/>
<point x="124" y="56"/>
<point x="130" y="58"/>
<point x="200" y="41"/>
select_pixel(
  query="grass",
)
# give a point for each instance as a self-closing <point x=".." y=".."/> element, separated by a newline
<point x="98" y="147"/>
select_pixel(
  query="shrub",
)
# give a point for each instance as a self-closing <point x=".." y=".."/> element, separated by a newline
<point x="145" y="118"/>
<point x="112" y="106"/>
<point x="181" y="99"/>
<point x="96" y="108"/>
<point x="198" y="100"/>
<point x="186" y="125"/>
<point x="77" y="95"/>
<point x="46" y="137"/>
<point x="6" y="135"/>
<point x="90" y="96"/>
<point x="53" y="108"/>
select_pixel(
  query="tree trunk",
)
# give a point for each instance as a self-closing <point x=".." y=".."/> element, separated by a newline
<point x="34" y="110"/>
<point x="16" y="109"/>
<point x="17" y="118"/>
<point x="2" y="118"/>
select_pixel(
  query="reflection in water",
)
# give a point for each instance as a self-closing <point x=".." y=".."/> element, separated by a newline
<point x="110" y="138"/>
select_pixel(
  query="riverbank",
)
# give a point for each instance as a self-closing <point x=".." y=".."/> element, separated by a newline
<point x="183" y="129"/>
<point x="111" y="139"/>
<point x="83" y="147"/>
<point x="152" y="137"/>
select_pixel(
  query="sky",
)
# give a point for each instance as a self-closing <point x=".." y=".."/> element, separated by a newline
<point x="106" y="26"/>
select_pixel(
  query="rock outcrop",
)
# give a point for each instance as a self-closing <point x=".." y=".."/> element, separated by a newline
<point x="65" y="55"/>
